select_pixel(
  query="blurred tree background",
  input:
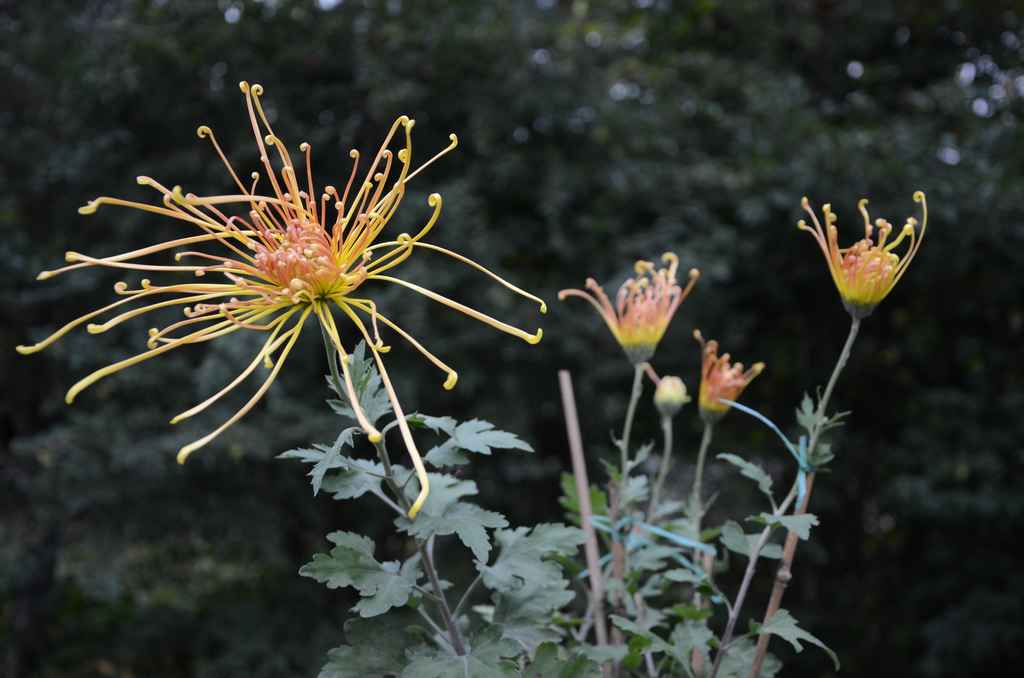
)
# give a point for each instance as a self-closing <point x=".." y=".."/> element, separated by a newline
<point x="593" y="133"/>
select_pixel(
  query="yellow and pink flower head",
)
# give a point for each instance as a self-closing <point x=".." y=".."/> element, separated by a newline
<point x="720" y="379"/>
<point x="289" y="252"/>
<point x="866" y="271"/>
<point x="644" y="305"/>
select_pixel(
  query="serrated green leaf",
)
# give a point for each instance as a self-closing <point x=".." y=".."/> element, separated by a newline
<point x="466" y="520"/>
<point x="481" y="437"/>
<point x="604" y="654"/>
<point x="689" y="636"/>
<point x="752" y="471"/>
<point x="324" y="458"/>
<point x="571" y="503"/>
<point x="445" y="455"/>
<point x="805" y="414"/>
<point x="642" y="453"/>
<point x="333" y="458"/>
<point x="376" y="647"/>
<point x="304" y="454"/>
<point x="487" y="656"/>
<point x="691" y="612"/>
<point x="783" y="625"/>
<point x="683" y="576"/>
<point x="738" y="660"/>
<point x="734" y="539"/>
<point x="821" y="455"/>
<point x="635" y="491"/>
<point x="373" y="399"/>
<point x="445" y="489"/>
<point x="548" y="663"/>
<point x="529" y="587"/>
<point x="651" y="558"/>
<point x="523" y="555"/>
<point x="476" y="435"/>
<point x="351" y="563"/>
<point x="654" y="642"/>
<point x="435" y="424"/>
<point x="801" y="524"/>
<point x="355" y="479"/>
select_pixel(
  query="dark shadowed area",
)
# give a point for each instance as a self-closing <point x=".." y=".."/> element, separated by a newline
<point x="592" y="134"/>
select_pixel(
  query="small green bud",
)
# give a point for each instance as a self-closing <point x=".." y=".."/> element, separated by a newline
<point x="670" y="396"/>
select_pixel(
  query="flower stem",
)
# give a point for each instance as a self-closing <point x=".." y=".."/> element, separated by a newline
<point x="627" y="426"/>
<point x="332" y="362"/>
<point x="784" y="573"/>
<point x="698" y="477"/>
<point x="697" y="515"/>
<point x="748" y="576"/>
<point x="425" y="556"/>
<point x="666" y="456"/>
<point x="616" y="494"/>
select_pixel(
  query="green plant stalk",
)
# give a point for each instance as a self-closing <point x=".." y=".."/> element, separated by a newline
<point x="748" y="576"/>
<point x="627" y="426"/>
<point x="784" y="573"/>
<point x="332" y="361"/>
<point x="615" y="507"/>
<point x="697" y="500"/>
<point x="666" y="455"/>
<point x="425" y="556"/>
<point x="428" y="562"/>
<point x="697" y="508"/>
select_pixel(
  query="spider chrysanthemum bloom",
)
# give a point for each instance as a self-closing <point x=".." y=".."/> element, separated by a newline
<point x="287" y="254"/>
<point x="866" y="271"/>
<point x="720" y="380"/>
<point x="644" y="305"/>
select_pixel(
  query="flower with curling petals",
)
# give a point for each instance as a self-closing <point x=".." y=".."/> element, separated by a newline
<point x="285" y="254"/>
<point x="866" y="271"/>
<point x="720" y="380"/>
<point x="670" y="395"/>
<point x="644" y="305"/>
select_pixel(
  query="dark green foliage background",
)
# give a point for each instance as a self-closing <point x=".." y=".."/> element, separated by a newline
<point x="592" y="133"/>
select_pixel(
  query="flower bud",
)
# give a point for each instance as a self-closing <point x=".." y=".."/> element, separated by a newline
<point x="670" y="396"/>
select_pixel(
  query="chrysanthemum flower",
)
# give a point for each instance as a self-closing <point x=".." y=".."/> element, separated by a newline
<point x="866" y="271"/>
<point x="644" y="305"/>
<point x="287" y="255"/>
<point x="720" y="380"/>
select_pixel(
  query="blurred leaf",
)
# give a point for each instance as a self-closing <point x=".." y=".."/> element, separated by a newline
<point x="734" y="539"/>
<point x="351" y="563"/>
<point x="487" y="656"/>
<point x="752" y="471"/>
<point x="783" y="624"/>
<point x="551" y="661"/>
<point x="376" y="647"/>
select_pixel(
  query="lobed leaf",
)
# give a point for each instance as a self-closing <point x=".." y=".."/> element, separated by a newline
<point x="487" y="656"/>
<point x="752" y="471"/>
<point x="734" y="539"/>
<point x="783" y="625"/>
<point x="382" y="586"/>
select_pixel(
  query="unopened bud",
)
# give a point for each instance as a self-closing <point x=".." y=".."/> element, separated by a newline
<point x="670" y="396"/>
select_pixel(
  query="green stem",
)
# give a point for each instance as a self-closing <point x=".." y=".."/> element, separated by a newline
<point x="428" y="562"/>
<point x="627" y="426"/>
<point x="666" y="455"/>
<point x="784" y="573"/>
<point x="748" y="576"/>
<point x="698" y="477"/>
<point x="465" y="596"/>
<point x="332" y="362"/>
<point x="844" y="356"/>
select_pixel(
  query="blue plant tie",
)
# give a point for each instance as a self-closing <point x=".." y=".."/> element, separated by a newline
<point x="798" y="451"/>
